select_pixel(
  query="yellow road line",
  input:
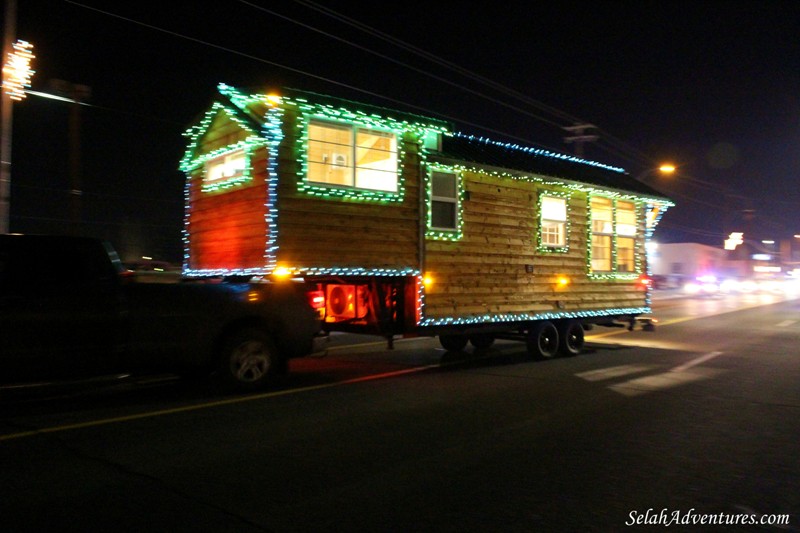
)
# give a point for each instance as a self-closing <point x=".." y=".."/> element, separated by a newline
<point x="231" y="401"/>
<point x="207" y="405"/>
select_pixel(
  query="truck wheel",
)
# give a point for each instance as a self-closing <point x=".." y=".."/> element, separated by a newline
<point x="453" y="343"/>
<point x="481" y="340"/>
<point x="543" y="340"/>
<point x="571" y="336"/>
<point x="248" y="360"/>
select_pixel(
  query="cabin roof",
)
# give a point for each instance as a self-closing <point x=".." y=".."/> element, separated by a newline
<point x="458" y="148"/>
<point x="489" y="153"/>
<point x="386" y="112"/>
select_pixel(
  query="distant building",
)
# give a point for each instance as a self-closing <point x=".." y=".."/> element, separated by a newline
<point x="679" y="262"/>
<point x="683" y="261"/>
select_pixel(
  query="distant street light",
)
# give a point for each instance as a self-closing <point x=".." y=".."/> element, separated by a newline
<point x="665" y="169"/>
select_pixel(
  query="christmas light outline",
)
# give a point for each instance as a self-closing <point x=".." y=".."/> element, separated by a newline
<point x="416" y="134"/>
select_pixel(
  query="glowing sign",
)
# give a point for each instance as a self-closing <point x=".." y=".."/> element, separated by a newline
<point x="758" y="268"/>
<point x="734" y="240"/>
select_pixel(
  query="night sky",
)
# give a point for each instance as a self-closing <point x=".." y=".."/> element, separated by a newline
<point x="713" y="87"/>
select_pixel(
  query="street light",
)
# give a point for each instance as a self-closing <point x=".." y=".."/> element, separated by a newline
<point x="667" y="168"/>
<point x="664" y="168"/>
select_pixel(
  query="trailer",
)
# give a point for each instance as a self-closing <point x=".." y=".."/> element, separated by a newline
<point x="410" y="228"/>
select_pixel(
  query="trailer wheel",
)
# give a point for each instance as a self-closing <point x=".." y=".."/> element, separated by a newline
<point x="481" y="340"/>
<point x="543" y="340"/>
<point x="248" y="361"/>
<point x="571" y="336"/>
<point x="453" y="343"/>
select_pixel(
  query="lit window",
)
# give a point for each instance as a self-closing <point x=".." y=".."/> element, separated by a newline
<point x="602" y="212"/>
<point x="330" y="154"/>
<point x="626" y="219"/>
<point x="626" y="260"/>
<point x="554" y="222"/>
<point x="444" y="201"/>
<point x="626" y="232"/>
<point x="376" y="160"/>
<point x="343" y="155"/>
<point x="614" y="230"/>
<point x="226" y="168"/>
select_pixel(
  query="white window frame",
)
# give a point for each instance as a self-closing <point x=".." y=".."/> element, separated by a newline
<point x="449" y="200"/>
<point x="553" y="221"/>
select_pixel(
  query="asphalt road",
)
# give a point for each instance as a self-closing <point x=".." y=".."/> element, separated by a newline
<point x="697" y="421"/>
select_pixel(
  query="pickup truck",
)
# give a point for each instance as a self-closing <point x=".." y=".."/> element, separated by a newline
<point x="70" y="310"/>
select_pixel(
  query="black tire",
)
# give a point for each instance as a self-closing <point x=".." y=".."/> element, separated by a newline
<point x="453" y="343"/>
<point x="543" y="340"/>
<point x="571" y="337"/>
<point x="481" y="341"/>
<point x="248" y="361"/>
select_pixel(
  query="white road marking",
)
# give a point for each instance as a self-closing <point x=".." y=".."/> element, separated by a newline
<point x="679" y="375"/>
<point x="613" y="372"/>
<point x="785" y="323"/>
<point x="695" y="362"/>
<point x="665" y="380"/>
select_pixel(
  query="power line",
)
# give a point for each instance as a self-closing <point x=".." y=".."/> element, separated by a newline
<point x="615" y="142"/>
<point x="616" y="146"/>
<point x="302" y="72"/>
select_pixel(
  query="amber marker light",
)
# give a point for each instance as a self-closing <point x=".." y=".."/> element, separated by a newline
<point x="274" y="99"/>
<point x="562" y="281"/>
<point x="427" y="280"/>
<point x="282" y="272"/>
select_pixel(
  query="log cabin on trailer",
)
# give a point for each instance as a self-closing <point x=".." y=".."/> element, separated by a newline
<point x="409" y="228"/>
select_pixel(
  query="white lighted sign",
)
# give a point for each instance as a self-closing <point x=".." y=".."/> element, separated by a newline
<point x="734" y="240"/>
<point x="759" y="268"/>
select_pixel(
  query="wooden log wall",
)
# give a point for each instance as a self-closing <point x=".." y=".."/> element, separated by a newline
<point x="227" y="228"/>
<point x="484" y="273"/>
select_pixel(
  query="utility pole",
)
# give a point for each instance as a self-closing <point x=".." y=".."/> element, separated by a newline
<point x="580" y="136"/>
<point x="78" y="95"/>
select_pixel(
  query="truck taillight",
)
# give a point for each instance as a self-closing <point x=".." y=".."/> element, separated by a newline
<point x="316" y="299"/>
<point x="645" y="281"/>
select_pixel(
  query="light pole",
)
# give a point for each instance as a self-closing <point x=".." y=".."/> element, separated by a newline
<point x="17" y="74"/>
<point x="7" y="109"/>
<point x="76" y="94"/>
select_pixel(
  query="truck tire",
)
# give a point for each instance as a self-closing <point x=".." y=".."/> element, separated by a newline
<point x="481" y="341"/>
<point x="453" y="343"/>
<point x="542" y="340"/>
<point x="248" y="360"/>
<point x="570" y="333"/>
